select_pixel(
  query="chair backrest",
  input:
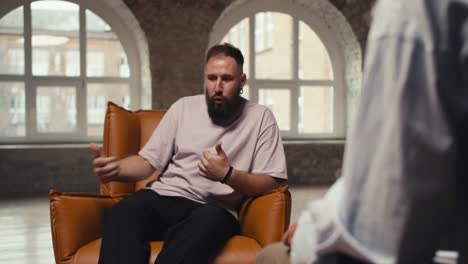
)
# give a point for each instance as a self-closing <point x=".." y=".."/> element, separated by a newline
<point x="125" y="133"/>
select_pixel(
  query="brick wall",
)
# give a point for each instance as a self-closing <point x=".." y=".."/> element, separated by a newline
<point x="177" y="32"/>
<point x="32" y="171"/>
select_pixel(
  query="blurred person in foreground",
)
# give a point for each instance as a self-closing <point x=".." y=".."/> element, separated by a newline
<point x="403" y="190"/>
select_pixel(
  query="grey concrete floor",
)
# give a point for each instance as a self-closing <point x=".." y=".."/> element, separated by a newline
<point x="25" y="235"/>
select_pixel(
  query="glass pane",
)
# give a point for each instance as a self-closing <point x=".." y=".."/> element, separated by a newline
<point x="316" y="109"/>
<point x="278" y="100"/>
<point x="238" y="36"/>
<point x="106" y="56"/>
<point x="314" y="62"/>
<point x="246" y="93"/>
<point x="12" y="109"/>
<point x="56" y="109"/>
<point x="98" y="95"/>
<point x="12" y="43"/>
<point x="55" y="38"/>
<point x="273" y="46"/>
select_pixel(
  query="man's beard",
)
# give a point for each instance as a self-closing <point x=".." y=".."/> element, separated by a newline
<point x="224" y="114"/>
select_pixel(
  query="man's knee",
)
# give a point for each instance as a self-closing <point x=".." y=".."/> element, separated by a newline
<point x="129" y="208"/>
<point x="207" y="220"/>
<point x="276" y="253"/>
<point x="211" y="214"/>
<point x="123" y="208"/>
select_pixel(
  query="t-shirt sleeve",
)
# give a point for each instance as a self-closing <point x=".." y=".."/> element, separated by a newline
<point x="269" y="155"/>
<point x="160" y="147"/>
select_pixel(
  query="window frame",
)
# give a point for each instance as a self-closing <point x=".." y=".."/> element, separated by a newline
<point x="293" y="84"/>
<point x="30" y="81"/>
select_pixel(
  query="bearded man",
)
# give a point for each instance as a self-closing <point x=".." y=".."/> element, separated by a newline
<point x="212" y="150"/>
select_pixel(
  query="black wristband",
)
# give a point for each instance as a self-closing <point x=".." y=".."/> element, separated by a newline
<point x="228" y="174"/>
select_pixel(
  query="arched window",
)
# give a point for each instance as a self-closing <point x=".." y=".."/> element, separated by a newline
<point x="60" y="62"/>
<point x="294" y="64"/>
<point x="290" y="72"/>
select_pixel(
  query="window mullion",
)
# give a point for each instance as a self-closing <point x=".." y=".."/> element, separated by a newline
<point x="27" y="40"/>
<point x="81" y="89"/>
<point x="295" y="70"/>
<point x="318" y="82"/>
<point x="253" y="86"/>
<point x="108" y="80"/>
<point x="30" y="89"/>
<point x="339" y="111"/>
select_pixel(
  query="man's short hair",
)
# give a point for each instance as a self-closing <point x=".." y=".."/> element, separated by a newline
<point x="228" y="50"/>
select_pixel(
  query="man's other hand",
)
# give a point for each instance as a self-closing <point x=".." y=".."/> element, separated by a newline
<point x="214" y="166"/>
<point x="105" y="168"/>
<point x="289" y="234"/>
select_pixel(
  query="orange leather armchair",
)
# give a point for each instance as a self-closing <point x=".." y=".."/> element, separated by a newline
<point x="77" y="219"/>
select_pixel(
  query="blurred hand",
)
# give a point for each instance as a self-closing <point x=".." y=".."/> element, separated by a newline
<point x="105" y="168"/>
<point x="289" y="234"/>
<point x="214" y="166"/>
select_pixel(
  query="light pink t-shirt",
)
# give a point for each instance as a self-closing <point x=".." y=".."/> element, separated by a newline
<point x="252" y="144"/>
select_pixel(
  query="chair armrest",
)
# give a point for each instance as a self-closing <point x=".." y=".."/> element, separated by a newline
<point x="76" y="219"/>
<point x="266" y="217"/>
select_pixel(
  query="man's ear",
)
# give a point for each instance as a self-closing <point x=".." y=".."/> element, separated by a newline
<point x="243" y="79"/>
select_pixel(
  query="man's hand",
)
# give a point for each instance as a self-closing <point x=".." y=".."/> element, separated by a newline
<point x="105" y="168"/>
<point x="289" y="234"/>
<point x="214" y="166"/>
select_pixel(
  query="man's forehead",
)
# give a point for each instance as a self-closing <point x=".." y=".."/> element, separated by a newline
<point x="222" y="62"/>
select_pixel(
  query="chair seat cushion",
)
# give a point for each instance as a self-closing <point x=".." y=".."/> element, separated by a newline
<point x="238" y="249"/>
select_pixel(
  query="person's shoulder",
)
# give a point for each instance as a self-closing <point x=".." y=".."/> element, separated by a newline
<point x="188" y="100"/>
<point x="252" y="106"/>
<point x="255" y="109"/>
<point x="193" y="97"/>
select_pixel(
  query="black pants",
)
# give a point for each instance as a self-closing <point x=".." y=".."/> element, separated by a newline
<point x="192" y="232"/>
<point x="337" y="258"/>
